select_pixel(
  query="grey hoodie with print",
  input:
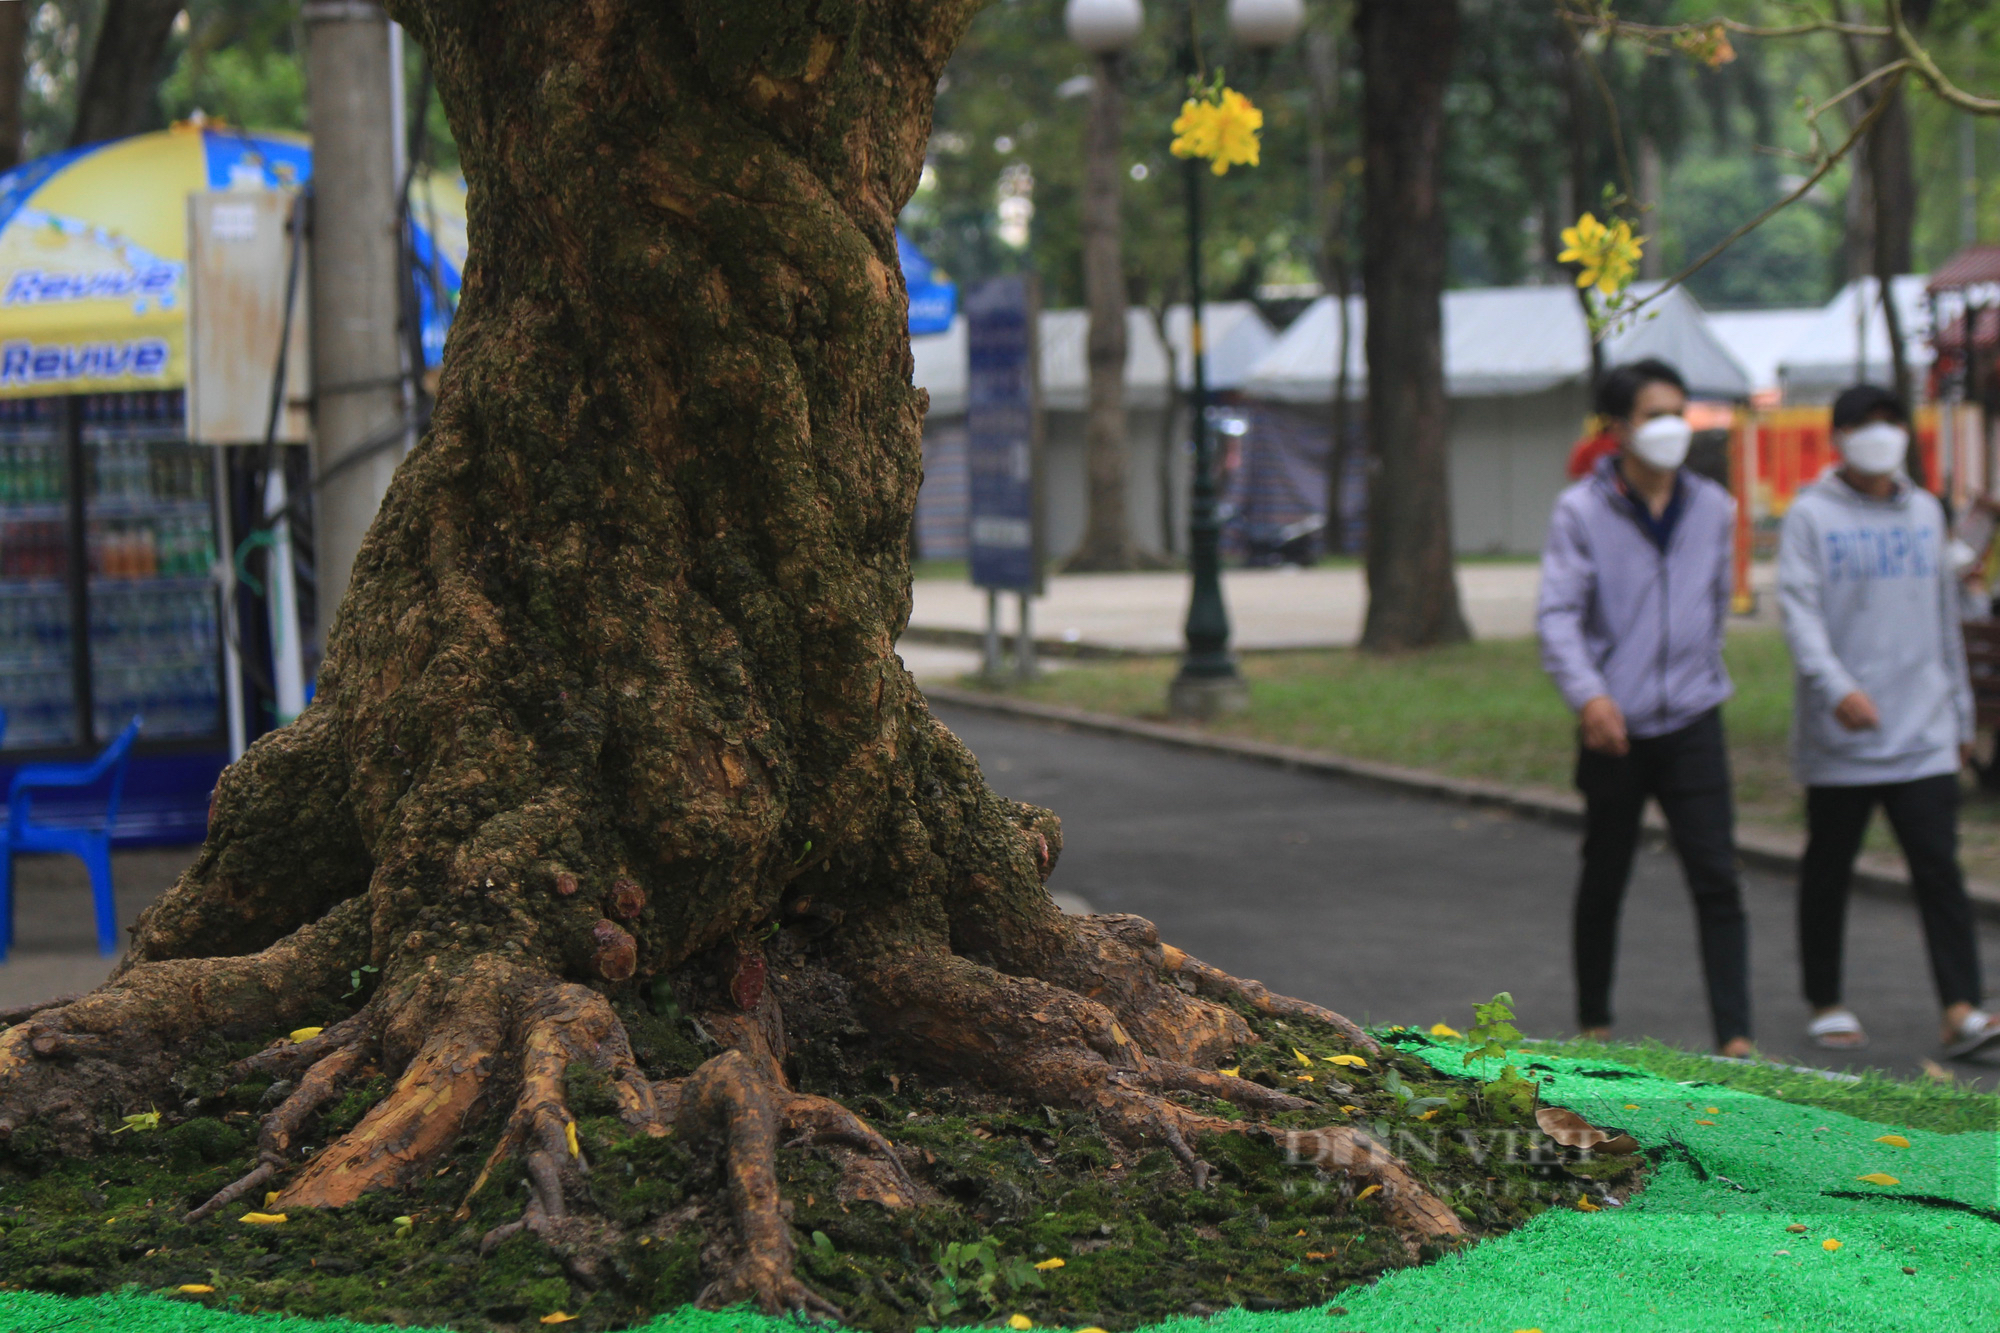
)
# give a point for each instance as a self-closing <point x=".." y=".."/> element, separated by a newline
<point x="1871" y="604"/>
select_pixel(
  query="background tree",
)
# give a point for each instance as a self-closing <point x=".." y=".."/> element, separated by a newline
<point x="1406" y="53"/>
<point x="120" y="82"/>
<point x="612" y="699"/>
<point x="13" y="76"/>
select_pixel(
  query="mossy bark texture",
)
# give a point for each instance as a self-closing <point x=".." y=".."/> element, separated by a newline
<point x="612" y="697"/>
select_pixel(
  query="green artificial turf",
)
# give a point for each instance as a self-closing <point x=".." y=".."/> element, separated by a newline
<point x="1708" y="1246"/>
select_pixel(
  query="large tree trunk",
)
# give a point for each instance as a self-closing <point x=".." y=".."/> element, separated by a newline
<point x="13" y="80"/>
<point x="612" y="698"/>
<point x="123" y="78"/>
<point x="1107" y="532"/>
<point x="1406" y="54"/>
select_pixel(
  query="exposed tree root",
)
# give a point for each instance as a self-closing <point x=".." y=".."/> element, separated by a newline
<point x="64" y="1068"/>
<point x="1037" y="1040"/>
<point x="281" y="1127"/>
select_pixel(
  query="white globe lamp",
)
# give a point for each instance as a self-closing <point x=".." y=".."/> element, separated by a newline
<point x="1262" y="24"/>
<point x="1103" y="27"/>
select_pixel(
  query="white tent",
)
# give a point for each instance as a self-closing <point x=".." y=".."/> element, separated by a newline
<point x="1504" y="341"/>
<point x="1849" y="340"/>
<point x="1237" y="337"/>
<point x="1517" y="369"/>
<point x="1759" y="339"/>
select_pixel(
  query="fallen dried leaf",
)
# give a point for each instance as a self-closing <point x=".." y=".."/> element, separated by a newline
<point x="1372" y="1189"/>
<point x="559" y="1317"/>
<point x="569" y="1137"/>
<point x="1894" y="1140"/>
<point x="1351" y="1061"/>
<point x="1568" y="1128"/>
<point x="262" y="1219"/>
<point x="1704" y="1122"/>
<point x="1046" y="1264"/>
<point x="194" y="1289"/>
<point x="306" y="1034"/>
<point x="1879" y="1178"/>
<point x="1235" y="1072"/>
<point x="1797" y="1228"/>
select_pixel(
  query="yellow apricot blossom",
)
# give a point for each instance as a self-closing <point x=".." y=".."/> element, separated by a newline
<point x="1607" y="256"/>
<point x="1221" y="127"/>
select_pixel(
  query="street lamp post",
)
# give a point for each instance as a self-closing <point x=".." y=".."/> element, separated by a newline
<point x="1208" y="682"/>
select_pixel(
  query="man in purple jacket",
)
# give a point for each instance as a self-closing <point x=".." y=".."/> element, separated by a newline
<point x="1635" y="592"/>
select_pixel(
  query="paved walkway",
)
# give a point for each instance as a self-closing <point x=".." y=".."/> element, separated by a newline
<point x="1280" y="608"/>
<point x="55" y="935"/>
<point x="1402" y="908"/>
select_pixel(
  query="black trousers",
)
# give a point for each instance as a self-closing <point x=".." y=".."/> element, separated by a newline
<point x="1924" y="816"/>
<point x="1687" y="772"/>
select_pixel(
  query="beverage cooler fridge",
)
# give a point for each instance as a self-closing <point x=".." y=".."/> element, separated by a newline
<point x="109" y="608"/>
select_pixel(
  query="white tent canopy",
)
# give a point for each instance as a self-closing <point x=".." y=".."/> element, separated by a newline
<point x="1849" y="340"/>
<point x="1504" y="341"/>
<point x="1236" y="334"/>
<point x="1759" y="339"/>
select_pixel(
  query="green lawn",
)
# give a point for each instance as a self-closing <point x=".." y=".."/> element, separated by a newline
<point x="1482" y="710"/>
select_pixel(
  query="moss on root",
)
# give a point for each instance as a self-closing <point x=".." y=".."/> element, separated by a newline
<point x="1031" y="1183"/>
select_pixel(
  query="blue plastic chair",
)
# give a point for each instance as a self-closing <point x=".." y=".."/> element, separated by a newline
<point x="91" y="845"/>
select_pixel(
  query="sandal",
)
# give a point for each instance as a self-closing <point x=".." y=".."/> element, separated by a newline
<point x="1840" y="1030"/>
<point x="1977" y="1031"/>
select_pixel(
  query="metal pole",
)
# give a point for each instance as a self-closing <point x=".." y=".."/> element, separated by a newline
<point x="1208" y="682"/>
<point x="1024" y="644"/>
<point x="356" y="300"/>
<point x="992" y="633"/>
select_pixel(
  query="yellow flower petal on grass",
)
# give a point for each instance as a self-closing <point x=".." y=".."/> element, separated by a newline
<point x="1372" y="1189"/>
<point x="1428" y="1114"/>
<point x="1586" y="1206"/>
<point x="1017" y="1322"/>
<point x="262" y="1219"/>
<point x="306" y="1034"/>
<point x="1304" y="1078"/>
<point x="1713" y="1110"/>
<point x="1631" y="1106"/>
<point x="194" y="1289"/>
<point x="1704" y="1122"/>
<point x="1046" y="1264"/>
<point x="1894" y="1140"/>
<point x="569" y="1136"/>
<point x="559" y="1317"/>
<point x="1236" y="1072"/>
<point x="1302" y="1057"/>
<point x="1350" y="1110"/>
<point x="1829" y="1245"/>
<point x="1879" y="1178"/>
<point x="1351" y="1061"/>
<point x="1445" y="1030"/>
<point x="270" y="1197"/>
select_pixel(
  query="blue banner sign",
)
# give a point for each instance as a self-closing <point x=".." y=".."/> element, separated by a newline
<point x="932" y="303"/>
<point x="1001" y="434"/>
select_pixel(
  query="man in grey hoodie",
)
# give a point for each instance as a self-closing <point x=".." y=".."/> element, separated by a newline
<point x="1882" y="712"/>
<point x="1636" y="579"/>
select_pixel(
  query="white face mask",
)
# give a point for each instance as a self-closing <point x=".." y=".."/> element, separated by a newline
<point x="1663" y="442"/>
<point x="1875" y="449"/>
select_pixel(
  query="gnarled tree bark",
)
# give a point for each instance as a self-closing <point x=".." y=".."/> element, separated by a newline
<point x="612" y="695"/>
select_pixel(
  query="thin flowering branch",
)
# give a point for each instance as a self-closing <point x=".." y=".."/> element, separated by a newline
<point x="1600" y="17"/>
<point x="1920" y="60"/>
<point x="1860" y="130"/>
